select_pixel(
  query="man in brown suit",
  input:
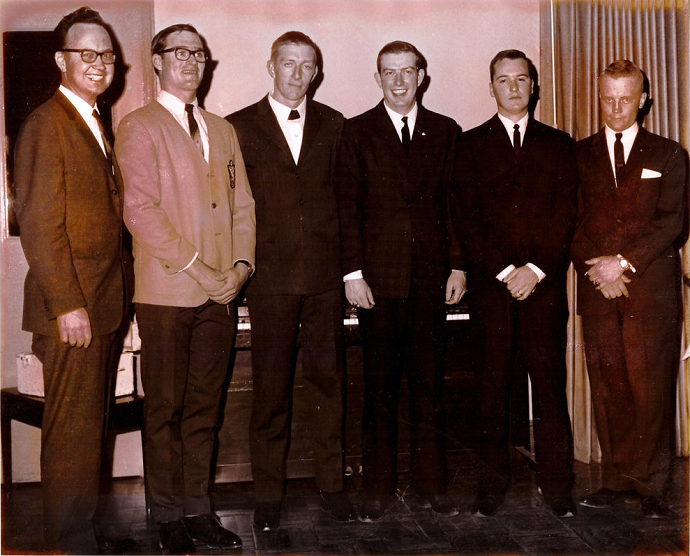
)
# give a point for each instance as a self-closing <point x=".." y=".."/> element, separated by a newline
<point x="191" y="214"/>
<point x="69" y="208"/>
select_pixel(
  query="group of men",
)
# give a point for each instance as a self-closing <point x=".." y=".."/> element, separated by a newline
<point x="292" y="200"/>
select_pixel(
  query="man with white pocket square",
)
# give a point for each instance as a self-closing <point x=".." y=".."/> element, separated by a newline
<point x="625" y="250"/>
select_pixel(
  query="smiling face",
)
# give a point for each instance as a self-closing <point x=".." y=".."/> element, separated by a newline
<point x="292" y="70"/>
<point x="87" y="81"/>
<point x="511" y="86"/>
<point x="620" y="99"/>
<point x="399" y="79"/>
<point x="178" y="77"/>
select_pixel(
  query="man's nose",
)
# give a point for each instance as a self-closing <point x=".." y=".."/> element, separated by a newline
<point x="398" y="78"/>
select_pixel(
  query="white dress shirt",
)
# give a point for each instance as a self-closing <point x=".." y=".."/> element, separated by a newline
<point x="86" y="112"/>
<point x="293" y="130"/>
<point x="628" y="139"/>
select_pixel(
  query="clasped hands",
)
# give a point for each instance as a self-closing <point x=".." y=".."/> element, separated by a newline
<point x="521" y="282"/>
<point x="221" y="286"/>
<point x="358" y="292"/>
<point x="608" y="276"/>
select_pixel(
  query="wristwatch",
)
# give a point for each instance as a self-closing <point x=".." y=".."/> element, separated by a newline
<point x="625" y="263"/>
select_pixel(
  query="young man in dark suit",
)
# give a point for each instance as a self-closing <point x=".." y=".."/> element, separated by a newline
<point x="514" y="203"/>
<point x="69" y="208"/>
<point x="289" y="142"/>
<point x="392" y="180"/>
<point x="625" y="250"/>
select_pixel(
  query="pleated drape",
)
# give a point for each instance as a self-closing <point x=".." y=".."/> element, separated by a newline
<point x="579" y="39"/>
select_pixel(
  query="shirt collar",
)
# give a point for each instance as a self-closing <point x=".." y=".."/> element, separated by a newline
<point x="510" y="124"/>
<point x="628" y="134"/>
<point x="396" y="118"/>
<point x="84" y="108"/>
<point x="282" y="112"/>
<point x="173" y="104"/>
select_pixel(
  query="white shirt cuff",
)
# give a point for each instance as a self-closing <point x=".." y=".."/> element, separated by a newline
<point x="356" y="275"/>
<point x="534" y="268"/>
<point x="190" y="263"/>
<point x="507" y="270"/>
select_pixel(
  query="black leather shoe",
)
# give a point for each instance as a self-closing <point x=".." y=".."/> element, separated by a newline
<point x="266" y="515"/>
<point x="562" y="506"/>
<point x="486" y="505"/>
<point x="173" y="538"/>
<point x="654" y="508"/>
<point x="207" y="529"/>
<point x="337" y="506"/>
<point x="375" y="508"/>
<point x="440" y="504"/>
<point x="106" y="545"/>
<point x="605" y="497"/>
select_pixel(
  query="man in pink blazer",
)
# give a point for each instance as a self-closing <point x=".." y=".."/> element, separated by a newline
<point x="191" y="214"/>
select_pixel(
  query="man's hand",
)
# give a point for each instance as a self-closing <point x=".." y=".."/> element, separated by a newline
<point x="234" y="279"/>
<point x="615" y="289"/>
<point x="456" y="286"/>
<point x="221" y="287"/>
<point x="359" y="294"/>
<point x="75" y="328"/>
<point x="604" y="270"/>
<point x="521" y="282"/>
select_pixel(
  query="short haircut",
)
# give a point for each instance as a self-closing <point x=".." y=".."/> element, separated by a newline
<point x="623" y="68"/>
<point x="158" y="42"/>
<point x="513" y="54"/>
<point x="82" y="15"/>
<point x="292" y="37"/>
<point x="399" y="47"/>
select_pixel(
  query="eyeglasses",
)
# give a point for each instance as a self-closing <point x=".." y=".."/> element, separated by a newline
<point x="90" y="56"/>
<point x="183" y="54"/>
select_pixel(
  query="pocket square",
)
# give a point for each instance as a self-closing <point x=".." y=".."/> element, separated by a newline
<point x="648" y="174"/>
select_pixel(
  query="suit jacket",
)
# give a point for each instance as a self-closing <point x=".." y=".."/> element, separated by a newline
<point x="177" y="204"/>
<point x="297" y="218"/>
<point x="394" y="223"/>
<point x="69" y="208"/>
<point x="510" y="209"/>
<point x="641" y="219"/>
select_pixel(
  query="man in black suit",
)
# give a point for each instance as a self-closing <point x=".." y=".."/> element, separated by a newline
<point x="514" y="203"/>
<point x="393" y="173"/>
<point x="289" y="143"/>
<point x="69" y="207"/>
<point x="630" y="228"/>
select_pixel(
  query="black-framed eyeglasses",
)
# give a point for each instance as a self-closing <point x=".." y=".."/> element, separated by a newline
<point x="183" y="54"/>
<point x="90" y="56"/>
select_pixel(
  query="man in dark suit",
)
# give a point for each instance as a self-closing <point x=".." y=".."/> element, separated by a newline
<point x="289" y="144"/>
<point x="69" y="208"/>
<point x="191" y="214"/>
<point x="514" y="203"/>
<point x="393" y="174"/>
<point x="625" y="250"/>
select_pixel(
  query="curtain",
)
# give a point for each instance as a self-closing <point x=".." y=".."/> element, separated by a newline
<point x="579" y="39"/>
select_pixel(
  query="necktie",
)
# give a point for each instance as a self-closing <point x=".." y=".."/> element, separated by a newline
<point x="106" y="143"/>
<point x="294" y="115"/>
<point x="405" y="134"/>
<point x="619" y="157"/>
<point x="516" y="138"/>
<point x="194" y="127"/>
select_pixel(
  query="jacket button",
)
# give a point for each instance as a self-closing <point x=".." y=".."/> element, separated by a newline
<point x="619" y="221"/>
<point x="114" y="191"/>
<point x="304" y="228"/>
<point x="213" y="205"/>
<point x="301" y="201"/>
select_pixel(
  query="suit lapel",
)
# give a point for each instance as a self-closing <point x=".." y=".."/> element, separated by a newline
<point x="601" y="164"/>
<point x="312" y="124"/>
<point x="270" y="126"/>
<point x="636" y="158"/>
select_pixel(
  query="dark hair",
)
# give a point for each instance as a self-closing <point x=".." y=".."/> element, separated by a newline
<point x="399" y="47"/>
<point x="513" y="54"/>
<point x="292" y="37"/>
<point x="158" y="42"/>
<point x="623" y="68"/>
<point x="82" y="15"/>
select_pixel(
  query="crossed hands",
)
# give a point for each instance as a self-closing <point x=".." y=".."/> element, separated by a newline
<point x="608" y="276"/>
<point x="221" y="286"/>
<point x="521" y="282"/>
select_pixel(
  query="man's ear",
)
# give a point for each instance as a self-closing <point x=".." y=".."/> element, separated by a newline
<point x="377" y="77"/>
<point x="316" y="72"/>
<point x="420" y="76"/>
<point x="491" y="90"/>
<point x="271" y="67"/>
<point x="157" y="62"/>
<point x="643" y="99"/>
<point x="60" y="61"/>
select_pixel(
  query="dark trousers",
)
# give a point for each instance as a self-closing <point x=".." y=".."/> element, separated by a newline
<point x="276" y="321"/>
<point x="403" y="337"/>
<point x="78" y="386"/>
<point x="515" y="337"/>
<point x="184" y="362"/>
<point x="632" y="359"/>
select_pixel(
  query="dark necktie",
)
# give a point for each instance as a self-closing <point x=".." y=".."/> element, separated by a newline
<point x="516" y="138"/>
<point x="294" y="115"/>
<point x="194" y="127"/>
<point x="619" y="158"/>
<point x="405" y="134"/>
<point x="106" y="143"/>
